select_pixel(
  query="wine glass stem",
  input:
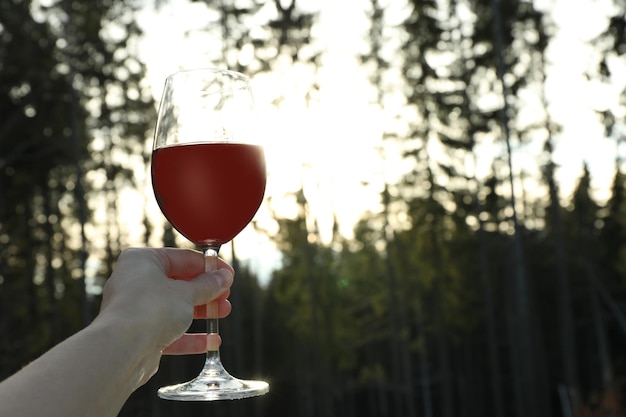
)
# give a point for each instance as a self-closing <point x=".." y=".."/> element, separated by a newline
<point x="212" y="322"/>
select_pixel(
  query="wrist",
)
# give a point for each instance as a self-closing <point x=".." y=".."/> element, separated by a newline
<point x="130" y="346"/>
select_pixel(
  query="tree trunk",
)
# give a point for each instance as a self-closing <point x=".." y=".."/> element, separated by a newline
<point x="604" y="353"/>
<point x="564" y="303"/>
<point x="495" y="371"/>
<point x="426" y="380"/>
<point x="530" y="396"/>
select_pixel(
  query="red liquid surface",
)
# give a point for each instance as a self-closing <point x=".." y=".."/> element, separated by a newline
<point x="209" y="191"/>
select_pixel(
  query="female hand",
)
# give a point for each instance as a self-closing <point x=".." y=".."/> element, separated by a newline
<point x="147" y="305"/>
<point x="158" y="292"/>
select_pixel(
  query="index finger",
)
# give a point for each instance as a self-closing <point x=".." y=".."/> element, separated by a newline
<point x="184" y="264"/>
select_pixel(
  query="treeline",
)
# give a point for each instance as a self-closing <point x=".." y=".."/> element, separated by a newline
<point x="463" y="295"/>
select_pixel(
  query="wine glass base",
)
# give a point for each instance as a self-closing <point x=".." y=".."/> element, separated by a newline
<point x="212" y="388"/>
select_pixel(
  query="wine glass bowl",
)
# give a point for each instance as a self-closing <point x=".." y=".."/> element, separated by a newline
<point x="209" y="191"/>
<point x="208" y="175"/>
<point x="205" y="105"/>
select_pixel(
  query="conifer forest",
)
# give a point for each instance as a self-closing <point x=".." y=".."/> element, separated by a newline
<point x="487" y="281"/>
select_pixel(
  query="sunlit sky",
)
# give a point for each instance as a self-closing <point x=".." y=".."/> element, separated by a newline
<point x="574" y="99"/>
<point x="332" y="147"/>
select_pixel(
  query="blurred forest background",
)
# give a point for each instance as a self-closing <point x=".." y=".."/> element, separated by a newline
<point x="463" y="295"/>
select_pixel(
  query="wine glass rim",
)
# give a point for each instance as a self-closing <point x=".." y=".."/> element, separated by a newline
<point x="207" y="142"/>
<point x="210" y="69"/>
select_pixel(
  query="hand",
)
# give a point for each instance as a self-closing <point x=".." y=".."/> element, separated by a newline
<point x="162" y="290"/>
<point x="147" y="305"/>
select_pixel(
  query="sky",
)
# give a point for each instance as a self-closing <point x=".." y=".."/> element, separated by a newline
<point x="574" y="99"/>
<point x="312" y="147"/>
<point x="308" y="148"/>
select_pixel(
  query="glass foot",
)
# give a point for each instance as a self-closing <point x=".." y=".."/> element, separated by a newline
<point x="213" y="385"/>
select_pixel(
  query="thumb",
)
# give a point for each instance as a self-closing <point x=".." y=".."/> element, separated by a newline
<point x="210" y="285"/>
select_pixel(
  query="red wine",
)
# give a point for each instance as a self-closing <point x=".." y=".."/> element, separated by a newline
<point x="209" y="191"/>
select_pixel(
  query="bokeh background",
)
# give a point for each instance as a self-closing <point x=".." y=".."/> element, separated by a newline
<point x="444" y="230"/>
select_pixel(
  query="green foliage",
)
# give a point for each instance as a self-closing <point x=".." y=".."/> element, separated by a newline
<point x="420" y="311"/>
<point x="450" y="280"/>
<point x="74" y="114"/>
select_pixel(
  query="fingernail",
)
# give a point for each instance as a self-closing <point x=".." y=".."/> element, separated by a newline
<point x="213" y="342"/>
<point x="224" y="277"/>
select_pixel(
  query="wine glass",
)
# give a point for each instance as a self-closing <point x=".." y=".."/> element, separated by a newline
<point x="208" y="177"/>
